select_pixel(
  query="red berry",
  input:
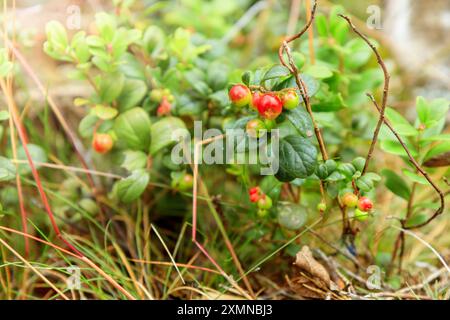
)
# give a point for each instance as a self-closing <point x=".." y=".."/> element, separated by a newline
<point x="254" y="197"/>
<point x="269" y="106"/>
<point x="255" y="194"/>
<point x="254" y="190"/>
<point x="365" y="204"/>
<point x="102" y="142"/>
<point x="240" y="95"/>
<point x="350" y="200"/>
<point x="164" y="107"/>
<point x="290" y="99"/>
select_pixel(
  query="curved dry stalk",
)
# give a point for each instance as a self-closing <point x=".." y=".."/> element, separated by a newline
<point x="417" y="166"/>
<point x="300" y="83"/>
<point x="385" y="90"/>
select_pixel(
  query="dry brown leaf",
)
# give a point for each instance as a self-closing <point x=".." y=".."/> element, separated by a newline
<point x="306" y="262"/>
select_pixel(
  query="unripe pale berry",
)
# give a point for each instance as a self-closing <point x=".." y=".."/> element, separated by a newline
<point x="290" y="99"/>
<point x="262" y="212"/>
<point x="350" y="200"/>
<point x="360" y="215"/>
<point x="186" y="183"/>
<point x="254" y="127"/>
<point x="264" y="202"/>
<point x="322" y="207"/>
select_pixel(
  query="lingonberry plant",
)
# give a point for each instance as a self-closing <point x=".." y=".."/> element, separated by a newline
<point x="309" y="104"/>
<point x="147" y="85"/>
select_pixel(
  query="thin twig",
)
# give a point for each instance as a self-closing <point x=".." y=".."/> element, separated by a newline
<point x="291" y="66"/>
<point x="385" y="90"/>
<point x="417" y="166"/>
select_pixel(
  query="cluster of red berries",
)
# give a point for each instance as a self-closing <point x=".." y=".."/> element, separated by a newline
<point x="102" y="142"/>
<point x="262" y="200"/>
<point x="269" y="105"/>
<point x="364" y="205"/>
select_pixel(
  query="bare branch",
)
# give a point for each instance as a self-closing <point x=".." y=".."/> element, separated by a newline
<point x="300" y="83"/>
<point x="417" y="166"/>
<point x="385" y="90"/>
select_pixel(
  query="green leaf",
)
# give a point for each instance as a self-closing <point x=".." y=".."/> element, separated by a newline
<point x="4" y="115"/>
<point x="358" y="53"/>
<point x="154" y="40"/>
<point x="7" y="169"/>
<point x="319" y="71"/>
<point x="322" y="25"/>
<point x="131" y="188"/>
<point x="367" y="181"/>
<point x="297" y="157"/>
<point x="395" y="147"/>
<point x="301" y="120"/>
<point x="438" y="149"/>
<point x="417" y="219"/>
<point x="133" y="128"/>
<point x="163" y="133"/>
<point x="401" y="125"/>
<point x="271" y="186"/>
<point x="80" y="47"/>
<point x="330" y="102"/>
<point x="134" y="160"/>
<point x="195" y="79"/>
<point x="87" y="124"/>
<point x="56" y="35"/>
<point x="106" y="25"/>
<point x="415" y="177"/>
<point x="133" y="92"/>
<point x="111" y="87"/>
<point x="430" y="113"/>
<point x="5" y="68"/>
<point x="276" y="71"/>
<point x="396" y="184"/>
<point x="340" y="31"/>
<point x="131" y="68"/>
<point x="37" y="154"/>
<point x="105" y="112"/>
<point x="246" y="77"/>
<point x="217" y="76"/>
<point x="291" y="216"/>
<point x="312" y="85"/>
<point x="347" y="169"/>
<point x="335" y="176"/>
<point x="359" y="163"/>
